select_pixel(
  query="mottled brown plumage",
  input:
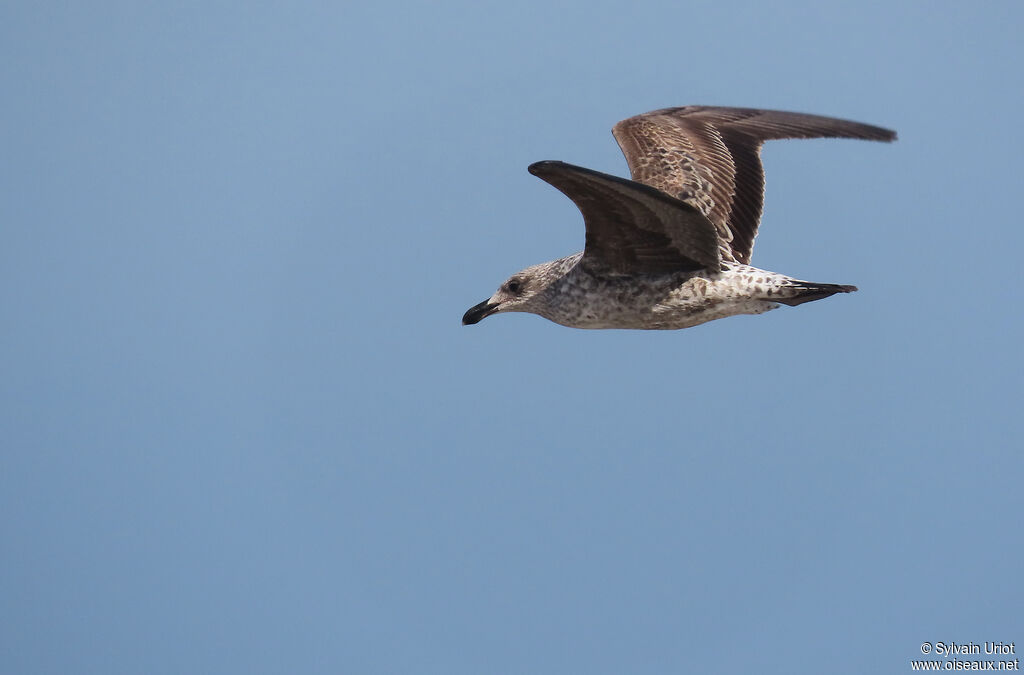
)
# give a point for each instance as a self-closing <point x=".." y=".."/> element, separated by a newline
<point x="671" y="248"/>
<point x="709" y="157"/>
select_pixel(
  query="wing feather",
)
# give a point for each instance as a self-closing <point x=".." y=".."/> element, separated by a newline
<point x="709" y="157"/>
<point x="633" y="228"/>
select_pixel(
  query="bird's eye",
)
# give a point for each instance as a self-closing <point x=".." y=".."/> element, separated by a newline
<point x="515" y="286"/>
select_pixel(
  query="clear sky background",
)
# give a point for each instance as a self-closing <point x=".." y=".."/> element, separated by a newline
<point x="243" y="430"/>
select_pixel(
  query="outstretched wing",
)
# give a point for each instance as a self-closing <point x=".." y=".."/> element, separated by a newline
<point x="633" y="228"/>
<point x="710" y="157"/>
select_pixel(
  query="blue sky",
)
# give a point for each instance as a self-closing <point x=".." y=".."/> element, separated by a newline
<point x="243" y="430"/>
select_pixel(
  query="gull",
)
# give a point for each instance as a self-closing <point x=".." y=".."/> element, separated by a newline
<point x="670" y="248"/>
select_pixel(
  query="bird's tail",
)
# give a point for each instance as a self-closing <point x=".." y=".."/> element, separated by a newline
<point x="799" y="292"/>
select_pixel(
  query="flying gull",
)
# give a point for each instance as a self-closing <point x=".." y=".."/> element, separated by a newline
<point x="670" y="248"/>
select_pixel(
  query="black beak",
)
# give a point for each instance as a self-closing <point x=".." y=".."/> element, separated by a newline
<point x="478" y="312"/>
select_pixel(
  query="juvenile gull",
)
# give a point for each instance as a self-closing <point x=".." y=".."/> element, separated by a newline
<point x="670" y="248"/>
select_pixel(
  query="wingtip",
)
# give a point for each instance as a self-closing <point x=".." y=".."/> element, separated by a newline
<point x="869" y="132"/>
<point x="538" y="168"/>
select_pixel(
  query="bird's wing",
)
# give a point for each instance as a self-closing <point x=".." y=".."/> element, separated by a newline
<point x="633" y="228"/>
<point x="710" y="157"/>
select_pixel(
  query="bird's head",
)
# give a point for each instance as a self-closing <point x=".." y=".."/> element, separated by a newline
<point x="521" y="292"/>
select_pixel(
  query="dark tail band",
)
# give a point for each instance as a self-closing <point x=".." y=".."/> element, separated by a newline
<point x="805" y="291"/>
